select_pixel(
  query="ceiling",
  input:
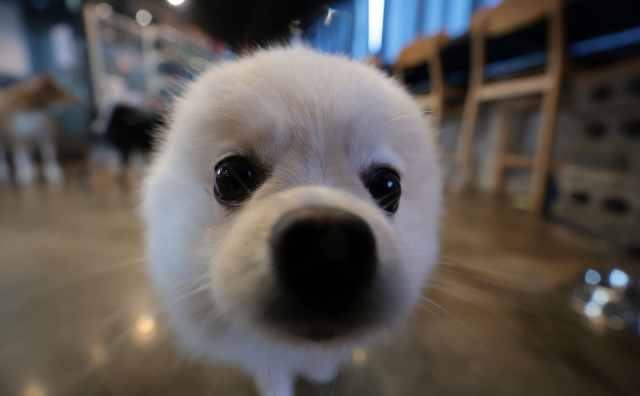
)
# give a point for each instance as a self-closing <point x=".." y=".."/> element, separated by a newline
<point x="239" y="22"/>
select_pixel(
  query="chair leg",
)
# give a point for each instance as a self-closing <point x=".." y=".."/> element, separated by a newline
<point x="542" y="160"/>
<point x="502" y="145"/>
<point x="4" y="165"/>
<point x="465" y="139"/>
<point x="436" y="123"/>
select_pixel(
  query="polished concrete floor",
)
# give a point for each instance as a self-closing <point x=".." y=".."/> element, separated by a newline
<point x="78" y="316"/>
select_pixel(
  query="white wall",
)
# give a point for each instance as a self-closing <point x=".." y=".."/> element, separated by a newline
<point x="14" y="47"/>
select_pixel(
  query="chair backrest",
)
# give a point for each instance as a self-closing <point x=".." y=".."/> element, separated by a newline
<point x="509" y="17"/>
<point x="512" y="15"/>
<point x="423" y="49"/>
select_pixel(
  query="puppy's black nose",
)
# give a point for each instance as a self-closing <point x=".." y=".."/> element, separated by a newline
<point x="324" y="257"/>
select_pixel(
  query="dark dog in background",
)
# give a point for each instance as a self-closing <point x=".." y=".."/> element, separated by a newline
<point x="127" y="131"/>
<point x="130" y="130"/>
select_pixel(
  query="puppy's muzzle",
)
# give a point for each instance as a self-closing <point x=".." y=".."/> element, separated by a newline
<point x="325" y="262"/>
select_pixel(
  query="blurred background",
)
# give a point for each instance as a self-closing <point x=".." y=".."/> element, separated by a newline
<point x="536" y="104"/>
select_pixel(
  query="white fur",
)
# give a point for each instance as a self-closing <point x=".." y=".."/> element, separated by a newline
<point x="316" y="121"/>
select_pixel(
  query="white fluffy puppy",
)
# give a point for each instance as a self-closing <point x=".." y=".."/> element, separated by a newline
<point x="292" y="213"/>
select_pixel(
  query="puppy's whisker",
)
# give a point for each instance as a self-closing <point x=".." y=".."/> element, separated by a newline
<point x="480" y="278"/>
<point x="449" y="261"/>
<point x="386" y="196"/>
<point x="434" y="313"/>
<point x="239" y="180"/>
<point x="326" y="388"/>
<point x="335" y="381"/>
<point x="353" y="377"/>
<point x="127" y="332"/>
<point x="450" y="326"/>
<point x="391" y="203"/>
<point x="494" y="272"/>
<point x="406" y="131"/>
<point x="109" y="350"/>
<point x="269" y="370"/>
<point x="453" y="261"/>
<point x="442" y="319"/>
<point x="530" y="337"/>
<point x="190" y="293"/>
<point x="187" y="229"/>
<point x="69" y="280"/>
<point x="471" y="333"/>
<point x="407" y="115"/>
<point x="217" y="382"/>
<point x="170" y="253"/>
<point x="108" y="321"/>
<point x="193" y="280"/>
<point x="206" y="323"/>
<point x="537" y="314"/>
<point x="230" y="116"/>
<point x="206" y="317"/>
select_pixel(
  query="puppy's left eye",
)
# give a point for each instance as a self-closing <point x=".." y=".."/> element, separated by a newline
<point x="235" y="180"/>
<point x="384" y="187"/>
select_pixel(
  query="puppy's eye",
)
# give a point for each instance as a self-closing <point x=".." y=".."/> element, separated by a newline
<point x="235" y="180"/>
<point x="384" y="187"/>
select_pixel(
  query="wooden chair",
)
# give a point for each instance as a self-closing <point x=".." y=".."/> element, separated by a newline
<point x="508" y="17"/>
<point x="426" y="51"/>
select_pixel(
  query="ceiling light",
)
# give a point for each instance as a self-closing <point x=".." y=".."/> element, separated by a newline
<point x="143" y="17"/>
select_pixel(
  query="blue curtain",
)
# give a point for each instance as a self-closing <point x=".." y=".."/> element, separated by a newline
<point x="400" y="27"/>
<point x="406" y="19"/>
<point x="433" y="14"/>
<point x="346" y="27"/>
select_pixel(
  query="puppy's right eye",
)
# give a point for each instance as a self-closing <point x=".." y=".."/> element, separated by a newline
<point x="235" y="180"/>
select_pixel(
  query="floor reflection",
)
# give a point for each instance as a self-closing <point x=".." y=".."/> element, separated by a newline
<point x="517" y="306"/>
<point x="33" y="389"/>
<point x="145" y="328"/>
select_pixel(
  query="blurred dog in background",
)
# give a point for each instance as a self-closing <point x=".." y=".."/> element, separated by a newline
<point x="27" y="126"/>
<point x="126" y="131"/>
